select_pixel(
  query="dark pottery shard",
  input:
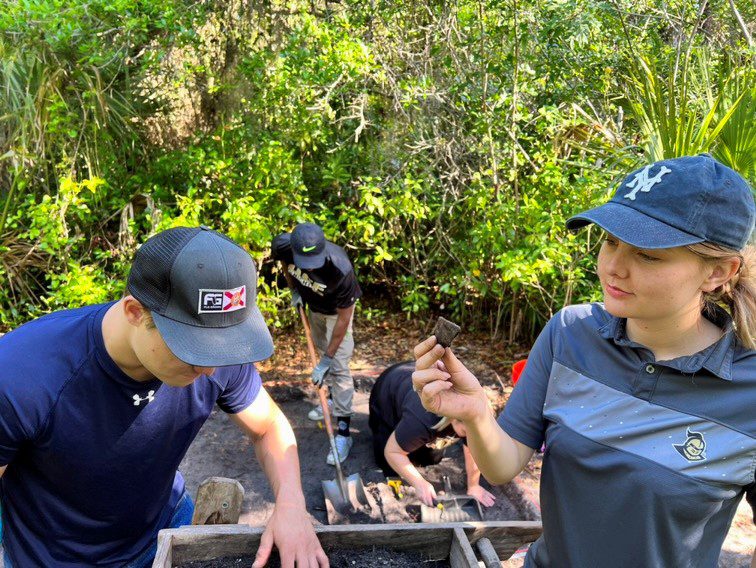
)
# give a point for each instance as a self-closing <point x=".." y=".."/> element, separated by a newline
<point x="445" y="332"/>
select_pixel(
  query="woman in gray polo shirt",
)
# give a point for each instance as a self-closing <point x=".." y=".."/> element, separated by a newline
<point x="646" y="402"/>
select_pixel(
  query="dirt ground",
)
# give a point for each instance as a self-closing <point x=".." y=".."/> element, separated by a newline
<point x="221" y="450"/>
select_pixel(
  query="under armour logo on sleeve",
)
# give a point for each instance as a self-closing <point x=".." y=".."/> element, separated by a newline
<point x="139" y="400"/>
<point x="641" y="181"/>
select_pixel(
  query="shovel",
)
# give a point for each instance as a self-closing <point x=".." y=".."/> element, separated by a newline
<point x="452" y="508"/>
<point x="346" y="498"/>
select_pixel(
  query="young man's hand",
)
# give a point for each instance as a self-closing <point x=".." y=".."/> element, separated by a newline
<point x="296" y="299"/>
<point x="290" y="529"/>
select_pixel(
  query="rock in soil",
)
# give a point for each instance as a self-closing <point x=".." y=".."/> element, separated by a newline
<point x="367" y="558"/>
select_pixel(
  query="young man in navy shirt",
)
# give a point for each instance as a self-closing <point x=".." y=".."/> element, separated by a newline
<point x="99" y="405"/>
<point x="320" y="275"/>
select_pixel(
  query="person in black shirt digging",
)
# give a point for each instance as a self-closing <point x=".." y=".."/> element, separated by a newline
<point x="321" y="277"/>
<point x="406" y="435"/>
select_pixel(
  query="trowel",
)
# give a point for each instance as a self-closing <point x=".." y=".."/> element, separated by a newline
<point x="450" y="508"/>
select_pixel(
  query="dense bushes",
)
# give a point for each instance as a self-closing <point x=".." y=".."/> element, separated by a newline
<point x="443" y="145"/>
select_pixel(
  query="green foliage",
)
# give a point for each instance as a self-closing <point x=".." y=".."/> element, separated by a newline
<point x="675" y="123"/>
<point x="442" y="144"/>
<point x="80" y="286"/>
<point x="68" y="113"/>
<point x="737" y="138"/>
<point x="67" y="103"/>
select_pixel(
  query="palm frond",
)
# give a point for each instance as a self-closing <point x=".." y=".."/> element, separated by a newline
<point x="690" y="111"/>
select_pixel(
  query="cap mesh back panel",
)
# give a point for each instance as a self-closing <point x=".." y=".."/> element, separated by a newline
<point x="149" y="279"/>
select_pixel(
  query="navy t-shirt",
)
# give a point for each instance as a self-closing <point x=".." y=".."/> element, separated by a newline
<point x="92" y="454"/>
<point x="397" y="408"/>
<point x="324" y="289"/>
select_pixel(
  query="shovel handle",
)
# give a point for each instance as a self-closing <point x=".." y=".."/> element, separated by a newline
<point x="314" y="359"/>
<point x="308" y="334"/>
<point x="324" y="405"/>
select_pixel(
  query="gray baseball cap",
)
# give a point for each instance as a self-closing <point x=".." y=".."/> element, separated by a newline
<point x="678" y="202"/>
<point x="201" y="288"/>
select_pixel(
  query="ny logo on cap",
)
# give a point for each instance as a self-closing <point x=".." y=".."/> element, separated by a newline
<point x="219" y="301"/>
<point x="641" y="181"/>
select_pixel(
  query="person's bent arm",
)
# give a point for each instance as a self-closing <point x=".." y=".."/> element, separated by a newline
<point x="2" y="470"/>
<point x="448" y="388"/>
<point x="289" y="528"/>
<point x="399" y="461"/>
<point x="473" y="480"/>
<point x="343" y="317"/>
<point x="499" y="456"/>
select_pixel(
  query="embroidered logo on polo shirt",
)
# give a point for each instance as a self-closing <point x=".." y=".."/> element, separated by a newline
<point x="641" y="181"/>
<point x="219" y="301"/>
<point x="148" y="399"/>
<point x="694" y="447"/>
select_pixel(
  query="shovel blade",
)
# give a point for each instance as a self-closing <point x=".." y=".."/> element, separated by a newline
<point x="358" y="507"/>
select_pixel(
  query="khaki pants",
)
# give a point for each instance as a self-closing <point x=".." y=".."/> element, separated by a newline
<point x="338" y="378"/>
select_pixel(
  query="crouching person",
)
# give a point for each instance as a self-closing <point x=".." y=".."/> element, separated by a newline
<point x="406" y="435"/>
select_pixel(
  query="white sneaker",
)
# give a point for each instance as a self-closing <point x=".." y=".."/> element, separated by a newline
<point x="343" y="445"/>
<point x="316" y="413"/>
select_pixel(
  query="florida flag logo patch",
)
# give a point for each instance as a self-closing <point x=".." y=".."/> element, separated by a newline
<point x="219" y="301"/>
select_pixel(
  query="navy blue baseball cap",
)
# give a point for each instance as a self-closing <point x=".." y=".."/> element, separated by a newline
<point x="678" y="202"/>
<point x="308" y="246"/>
<point x="201" y="288"/>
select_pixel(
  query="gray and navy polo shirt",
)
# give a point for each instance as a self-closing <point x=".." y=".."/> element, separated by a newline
<point x="646" y="461"/>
